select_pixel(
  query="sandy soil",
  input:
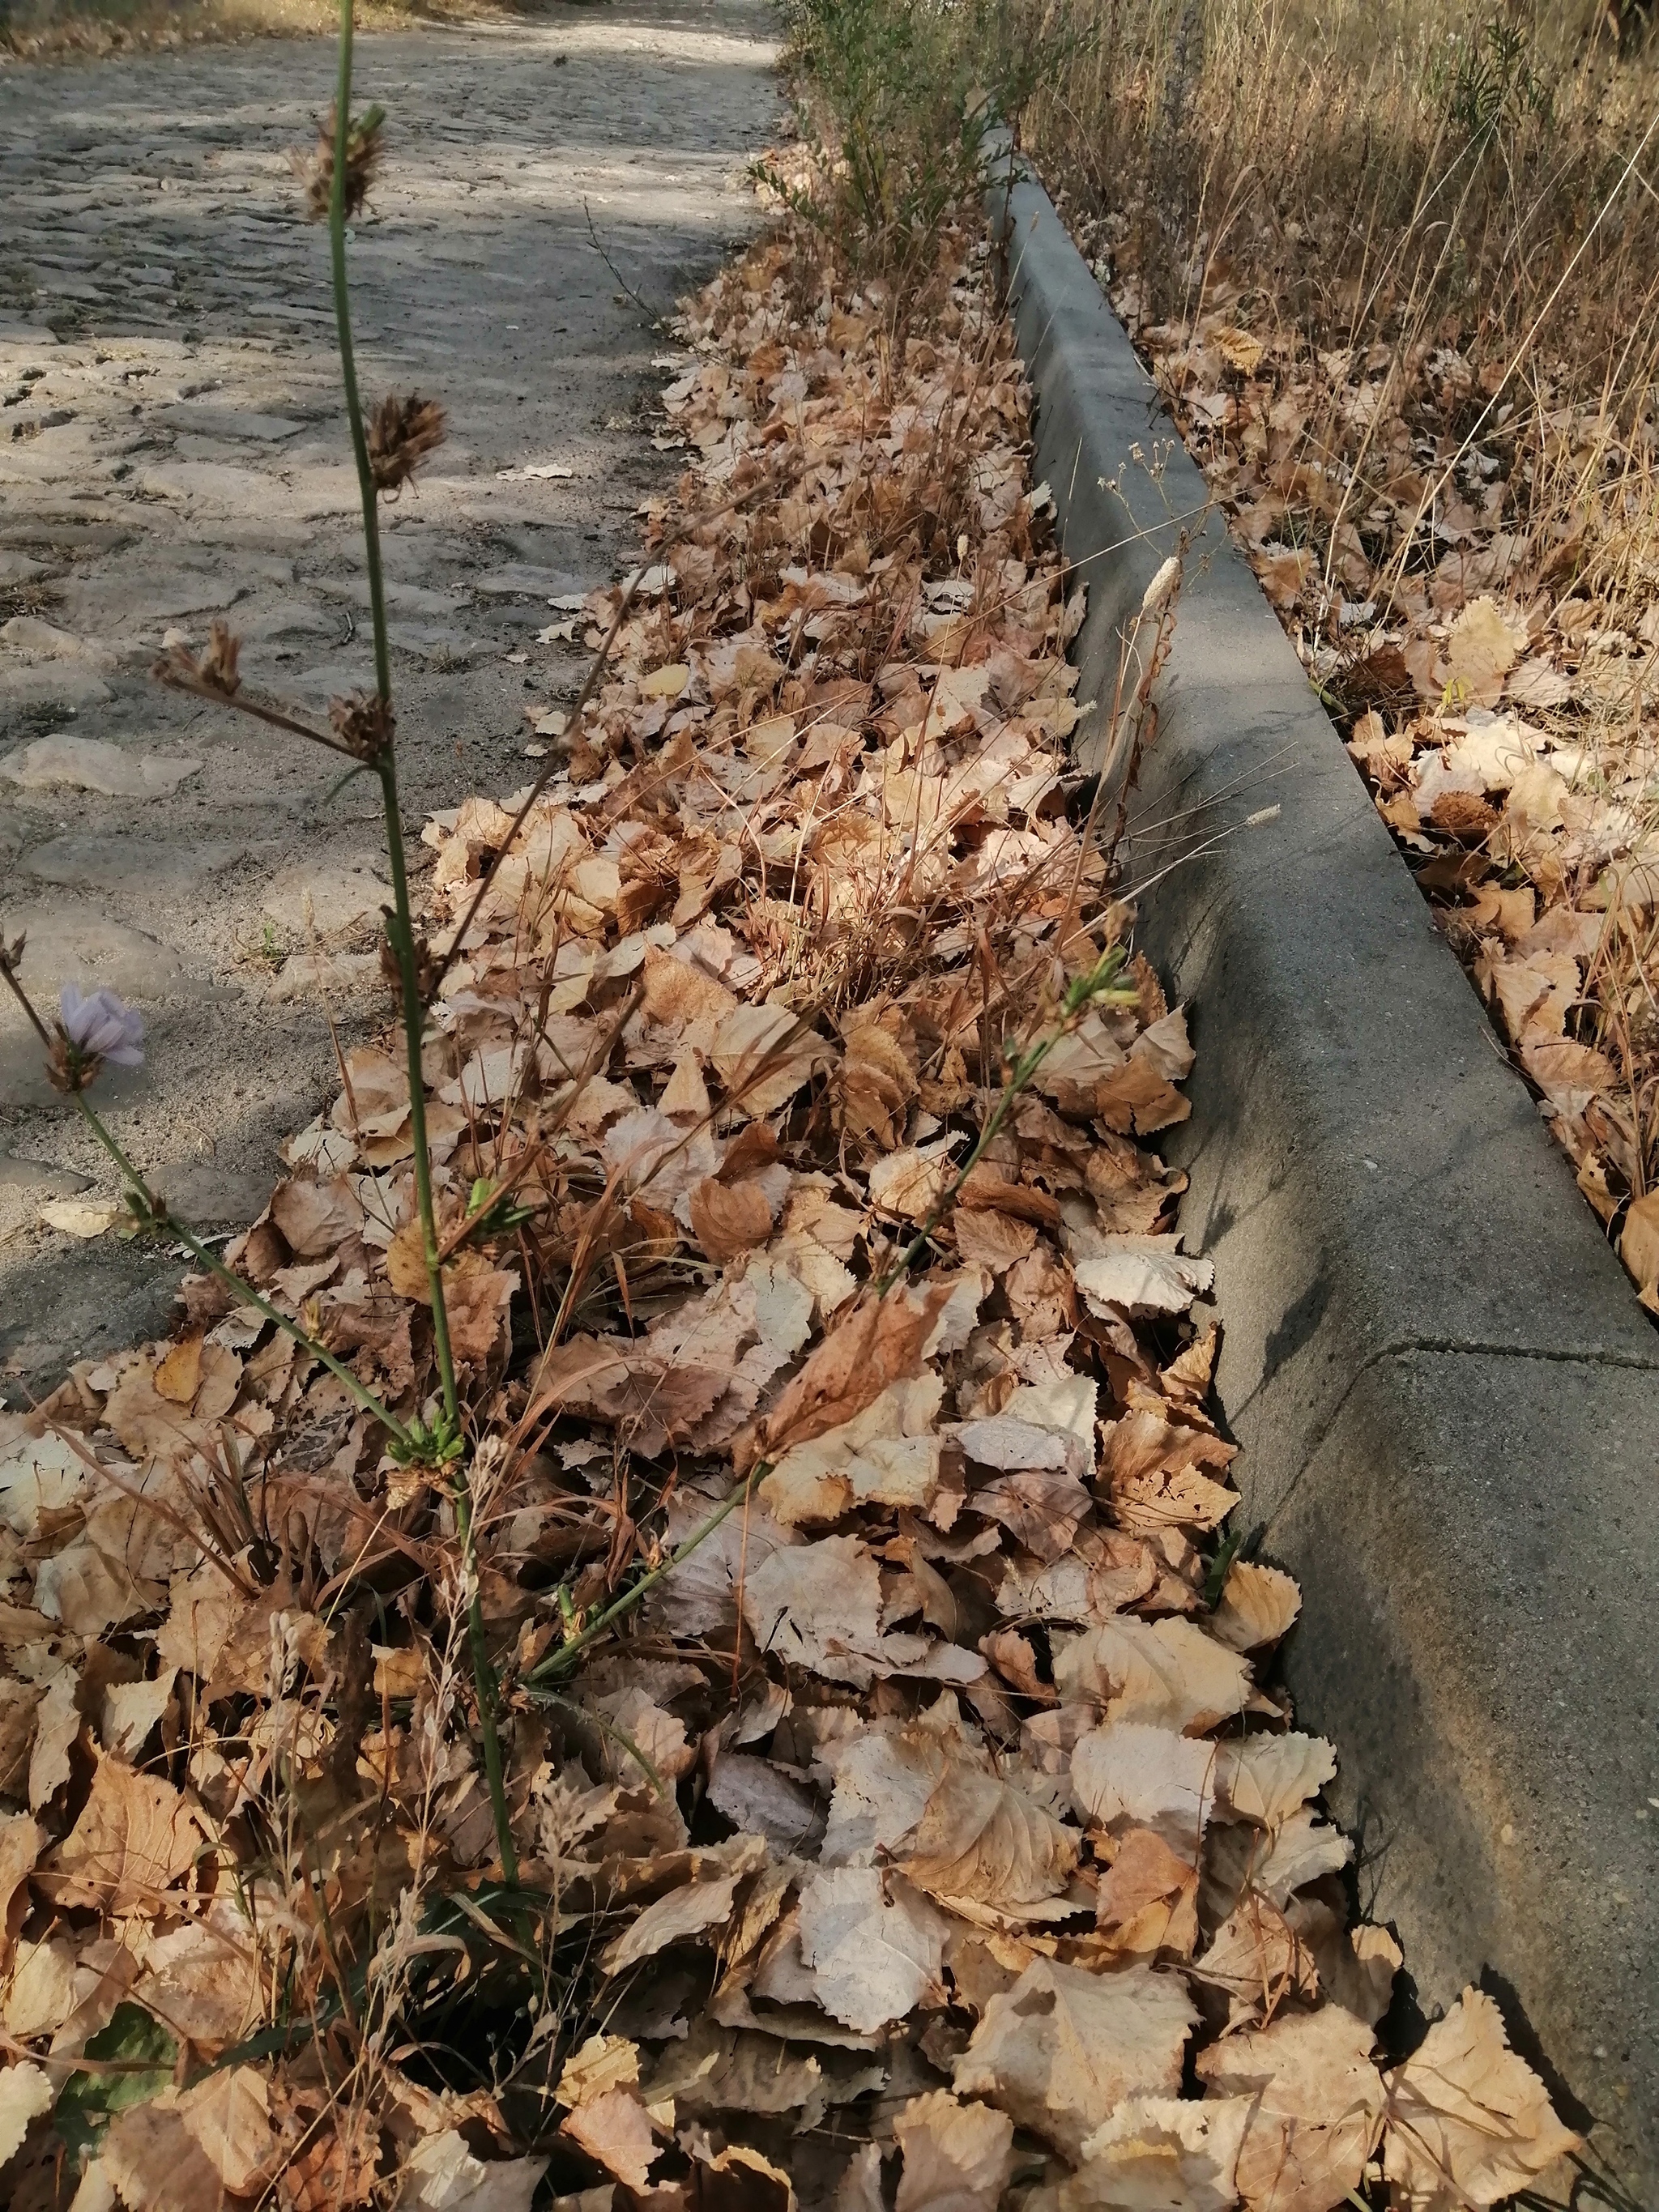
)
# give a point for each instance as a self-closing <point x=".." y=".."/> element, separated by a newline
<point x="173" y="445"/>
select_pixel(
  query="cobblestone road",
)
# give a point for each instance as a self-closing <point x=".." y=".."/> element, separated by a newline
<point x="173" y="445"/>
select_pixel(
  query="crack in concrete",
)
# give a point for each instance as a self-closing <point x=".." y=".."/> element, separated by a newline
<point x="1453" y="1345"/>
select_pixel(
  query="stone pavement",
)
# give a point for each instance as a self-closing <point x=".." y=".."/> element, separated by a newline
<point x="173" y="445"/>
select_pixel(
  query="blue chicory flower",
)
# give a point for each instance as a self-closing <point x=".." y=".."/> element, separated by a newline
<point x="102" y="1027"/>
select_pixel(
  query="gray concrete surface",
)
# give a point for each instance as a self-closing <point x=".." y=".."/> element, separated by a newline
<point x="173" y="445"/>
<point x="1448" y="1397"/>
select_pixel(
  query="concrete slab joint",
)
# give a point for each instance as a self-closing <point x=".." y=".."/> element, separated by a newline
<point x="1445" y="1391"/>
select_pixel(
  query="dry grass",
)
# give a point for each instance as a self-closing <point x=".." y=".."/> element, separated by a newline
<point x="79" y="30"/>
<point x="1436" y="233"/>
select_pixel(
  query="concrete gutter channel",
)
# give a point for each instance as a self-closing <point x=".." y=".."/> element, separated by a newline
<point x="1447" y="1394"/>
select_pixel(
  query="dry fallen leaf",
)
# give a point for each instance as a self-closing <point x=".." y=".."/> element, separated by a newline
<point x="1062" y="2048"/>
<point x="872" y="1947"/>
<point x="136" y="1836"/>
<point x="1481" y="647"/>
<point x="614" y="2129"/>
<point x="26" y="2092"/>
<point x="440" y="2173"/>
<point x="880" y="1341"/>
<point x="1159" y="2152"/>
<point x="956" y="2157"/>
<point x="1469" y="2122"/>
<point x="1315" y="2106"/>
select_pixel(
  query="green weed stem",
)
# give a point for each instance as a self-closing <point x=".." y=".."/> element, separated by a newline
<point x="156" y="1212"/>
<point x="400" y="931"/>
<point x="1080" y="994"/>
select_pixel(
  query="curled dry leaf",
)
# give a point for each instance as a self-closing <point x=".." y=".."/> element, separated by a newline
<point x="1062" y="2048"/>
<point x="1469" y="2122"/>
<point x="958" y="2156"/>
<point x="1314" y="2107"/>
<point x="880" y="1341"/>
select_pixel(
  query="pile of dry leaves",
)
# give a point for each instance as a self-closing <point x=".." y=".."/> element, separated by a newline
<point x="1463" y="582"/>
<point x="933" y="1834"/>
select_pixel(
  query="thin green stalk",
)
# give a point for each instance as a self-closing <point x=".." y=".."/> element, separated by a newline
<point x="562" y="1661"/>
<point x="402" y="934"/>
<point x="244" y="1292"/>
<point x="1080" y="994"/>
<point x="401" y="931"/>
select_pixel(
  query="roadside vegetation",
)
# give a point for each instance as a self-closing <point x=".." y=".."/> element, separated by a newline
<point x="1396" y="271"/>
<point x="665" y="1631"/>
<point x="81" y="30"/>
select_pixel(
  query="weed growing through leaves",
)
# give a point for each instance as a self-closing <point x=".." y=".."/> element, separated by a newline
<point x="1396" y="279"/>
<point x="771" y="1143"/>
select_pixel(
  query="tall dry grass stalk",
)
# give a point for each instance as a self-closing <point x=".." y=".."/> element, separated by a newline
<point x="1459" y="207"/>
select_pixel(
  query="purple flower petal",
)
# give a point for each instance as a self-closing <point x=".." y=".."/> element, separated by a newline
<point x="102" y="1027"/>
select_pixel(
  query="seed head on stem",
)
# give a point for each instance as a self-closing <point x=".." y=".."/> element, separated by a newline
<point x="401" y="432"/>
<point x="315" y="170"/>
<point x="364" y="724"/>
<point x="215" y="669"/>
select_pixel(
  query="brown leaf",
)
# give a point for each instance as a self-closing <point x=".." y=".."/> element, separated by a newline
<point x="228" y="2116"/>
<point x="726" y="1221"/>
<point x="1257" y="1961"/>
<point x="1042" y="1508"/>
<point x="1638" y="1244"/>
<point x="1258" y="1605"/>
<point x="878" y="1078"/>
<point x="875" y="1949"/>
<point x="315" y="1217"/>
<point x="1317" y="2105"/>
<point x="477" y="1297"/>
<point x="157" y="2164"/>
<point x="26" y="2092"/>
<point x="1063" y="2047"/>
<point x="1128" y="1776"/>
<point x="615" y="2131"/>
<point x="877" y="1342"/>
<point x="1481" y="649"/>
<point x="205" y="1981"/>
<point x="1469" y="2122"/>
<point x="819" y="1607"/>
<point x="441" y="2172"/>
<point x="179" y="1376"/>
<point x="986" y="1238"/>
<point x="150" y="1425"/>
<point x="981" y="1838"/>
<point x="1147" y="1901"/>
<point x="1159" y="2152"/>
<point x="958" y="2156"/>
<point x="21" y="1842"/>
<point x="1167" y="1673"/>
<point x="689" y="1912"/>
<point x="135" y="1836"/>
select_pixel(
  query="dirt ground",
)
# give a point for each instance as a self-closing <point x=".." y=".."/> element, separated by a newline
<point x="173" y="445"/>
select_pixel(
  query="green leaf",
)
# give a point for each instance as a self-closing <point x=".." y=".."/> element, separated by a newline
<point x="145" y="2052"/>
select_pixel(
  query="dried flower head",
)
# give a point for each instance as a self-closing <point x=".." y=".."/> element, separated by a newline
<point x="315" y="170"/>
<point x="425" y="965"/>
<point x="401" y="434"/>
<point x="214" y="671"/>
<point x="364" y="724"/>
<point x="89" y="1032"/>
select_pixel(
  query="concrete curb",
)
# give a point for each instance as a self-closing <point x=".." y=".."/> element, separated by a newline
<point x="1448" y="1397"/>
